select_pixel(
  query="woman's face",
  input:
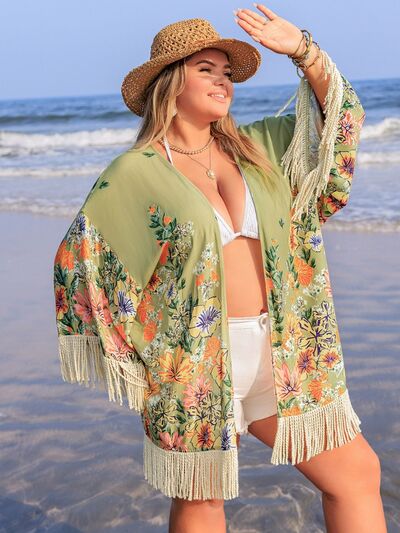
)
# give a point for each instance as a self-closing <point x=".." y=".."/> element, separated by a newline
<point x="208" y="74"/>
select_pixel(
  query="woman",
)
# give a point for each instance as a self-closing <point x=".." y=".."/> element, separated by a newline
<point x="193" y="281"/>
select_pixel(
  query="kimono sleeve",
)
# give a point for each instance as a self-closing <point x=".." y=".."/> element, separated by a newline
<point x="316" y="149"/>
<point x="96" y="301"/>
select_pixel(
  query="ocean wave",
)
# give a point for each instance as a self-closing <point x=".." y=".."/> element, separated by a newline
<point x="387" y="128"/>
<point x="378" y="158"/>
<point x="49" y="172"/>
<point x="61" y="118"/>
<point x="14" y="144"/>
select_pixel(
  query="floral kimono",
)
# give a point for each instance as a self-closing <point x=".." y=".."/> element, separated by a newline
<point x="141" y="305"/>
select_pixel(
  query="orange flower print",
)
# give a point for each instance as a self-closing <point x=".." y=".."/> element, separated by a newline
<point x="213" y="344"/>
<point x="144" y="307"/>
<point x="329" y="359"/>
<point x="84" y="250"/>
<point x="304" y="271"/>
<point x="153" y="388"/>
<point x="316" y="388"/>
<point x="174" y="442"/>
<point x="287" y="383"/>
<point x="204" y="437"/>
<point x="220" y="365"/>
<point x="176" y="367"/>
<point x="293" y="237"/>
<point x="195" y="394"/>
<point x="61" y="302"/>
<point x="99" y="303"/>
<point x="64" y="257"/>
<point x="120" y="329"/>
<point x="306" y="363"/>
<point x="154" y="282"/>
<point x="348" y="128"/>
<point x="164" y="253"/>
<point x="116" y="346"/>
<point x="291" y="411"/>
<point x="167" y="220"/>
<point x="200" y="279"/>
<point x="150" y="330"/>
<point x="83" y="307"/>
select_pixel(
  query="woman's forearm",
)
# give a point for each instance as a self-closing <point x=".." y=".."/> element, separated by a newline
<point x="315" y="76"/>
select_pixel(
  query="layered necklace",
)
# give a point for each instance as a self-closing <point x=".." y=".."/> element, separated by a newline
<point x="210" y="173"/>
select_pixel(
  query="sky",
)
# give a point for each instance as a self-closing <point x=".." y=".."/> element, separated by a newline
<point x="86" y="47"/>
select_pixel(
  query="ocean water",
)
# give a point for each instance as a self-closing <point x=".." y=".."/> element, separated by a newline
<point x="52" y="150"/>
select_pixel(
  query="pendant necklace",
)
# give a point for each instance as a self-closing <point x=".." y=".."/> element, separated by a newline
<point x="210" y="173"/>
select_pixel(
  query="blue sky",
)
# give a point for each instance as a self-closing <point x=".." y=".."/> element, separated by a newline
<point x="53" y="48"/>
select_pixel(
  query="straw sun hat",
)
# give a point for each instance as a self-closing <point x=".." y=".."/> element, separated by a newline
<point x="179" y="40"/>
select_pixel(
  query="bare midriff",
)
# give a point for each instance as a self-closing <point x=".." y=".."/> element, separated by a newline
<point x="243" y="264"/>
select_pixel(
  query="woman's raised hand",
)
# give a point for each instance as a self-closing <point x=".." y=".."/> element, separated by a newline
<point x="272" y="31"/>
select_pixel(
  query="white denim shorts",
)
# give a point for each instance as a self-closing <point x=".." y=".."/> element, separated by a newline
<point x="252" y="377"/>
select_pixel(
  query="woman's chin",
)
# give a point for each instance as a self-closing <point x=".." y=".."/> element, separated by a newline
<point x="218" y="116"/>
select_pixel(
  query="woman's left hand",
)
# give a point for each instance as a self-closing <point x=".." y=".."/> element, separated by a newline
<point x="272" y="31"/>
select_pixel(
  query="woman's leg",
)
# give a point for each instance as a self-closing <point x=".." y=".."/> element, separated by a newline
<point x="349" y="478"/>
<point x="198" y="515"/>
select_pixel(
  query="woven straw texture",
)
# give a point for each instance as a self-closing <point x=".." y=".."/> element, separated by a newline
<point x="179" y="40"/>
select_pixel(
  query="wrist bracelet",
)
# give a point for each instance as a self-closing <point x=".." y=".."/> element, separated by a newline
<point x="298" y="60"/>
<point x="305" y="67"/>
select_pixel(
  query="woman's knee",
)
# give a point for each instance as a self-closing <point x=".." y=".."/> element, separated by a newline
<point x="363" y="477"/>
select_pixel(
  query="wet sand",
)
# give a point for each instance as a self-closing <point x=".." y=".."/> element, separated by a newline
<point x="71" y="461"/>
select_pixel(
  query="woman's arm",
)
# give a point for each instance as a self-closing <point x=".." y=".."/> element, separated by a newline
<point x="317" y="145"/>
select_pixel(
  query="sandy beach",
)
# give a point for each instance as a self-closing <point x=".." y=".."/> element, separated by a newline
<point x="71" y="461"/>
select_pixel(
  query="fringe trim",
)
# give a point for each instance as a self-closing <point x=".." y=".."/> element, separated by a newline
<point x="296" y="163"/>
<point x="83" y="361"/>
<point x="336" y="422"/>
<point x="192" y="475"/>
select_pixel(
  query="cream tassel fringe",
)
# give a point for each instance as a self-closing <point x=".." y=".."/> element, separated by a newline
<point x="336" y="422"/>
<point x="192" y="475"/>
<point x="310" y="183"/>
<point x="83" y="361"/>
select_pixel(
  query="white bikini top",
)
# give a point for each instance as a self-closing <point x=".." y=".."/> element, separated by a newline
<point x="249" y="227"/>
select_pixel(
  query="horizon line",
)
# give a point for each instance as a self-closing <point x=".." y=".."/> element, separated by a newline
<point x="238" y="86"/>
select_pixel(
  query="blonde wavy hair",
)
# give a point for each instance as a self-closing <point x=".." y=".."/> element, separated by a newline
<point x="160" y="104"/>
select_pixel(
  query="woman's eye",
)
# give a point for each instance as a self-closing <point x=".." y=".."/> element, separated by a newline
<point x="205" y="69"/>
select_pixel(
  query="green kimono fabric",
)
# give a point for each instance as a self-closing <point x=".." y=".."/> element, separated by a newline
<point x="141" y="304"/>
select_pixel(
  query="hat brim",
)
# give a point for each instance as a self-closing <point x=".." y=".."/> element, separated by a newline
<point x="245" y="60"/>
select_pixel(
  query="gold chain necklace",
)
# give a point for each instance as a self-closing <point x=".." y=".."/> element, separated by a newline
<point x="210" y="173"/>
<point x="187" y="152"/>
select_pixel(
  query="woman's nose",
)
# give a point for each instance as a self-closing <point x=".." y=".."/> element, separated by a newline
<point x="220" y="80"/>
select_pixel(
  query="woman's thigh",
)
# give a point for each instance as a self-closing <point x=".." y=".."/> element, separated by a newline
<point x="352" y="467"/>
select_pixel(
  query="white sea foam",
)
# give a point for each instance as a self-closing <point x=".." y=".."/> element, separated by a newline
<point x="49" y="172"/>
<point x="14" y="144"/>
<point x="378" y="158"/>
<point x="387" y="128"/>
